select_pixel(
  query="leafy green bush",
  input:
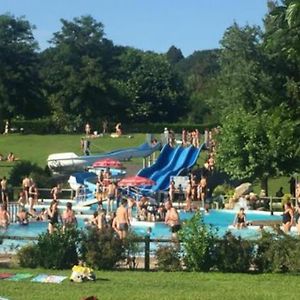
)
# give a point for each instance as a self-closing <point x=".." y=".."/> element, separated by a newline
<point x="37" y="126"/>
<point x="277" y="252"/>
<point x="58" y="250"/>
<point x="102" y="249"/>
<point x="28" y="256"/>
<point x="234" y="254"/>
<point x="198" y="242"/>
<point x="168" y="258"/>
<point x="26" y="168"/>
<point x="159" y="127"/>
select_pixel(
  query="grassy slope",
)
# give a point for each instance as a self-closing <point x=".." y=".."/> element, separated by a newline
<point x="141" y="285"/>
<point x="36" y="148"/>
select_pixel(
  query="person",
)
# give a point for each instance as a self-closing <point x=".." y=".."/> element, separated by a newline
<point x="122" y="219"/>
<point x="87" y="129"/>
<point x="292" y="183"/>
<point x="104" y="126"/>
<point x="53" y="215"/>
<point x="279" y="193"/>
<point x="42" y="216"/>
<point x="6" y="128"/>
<point x="22" y="199"/>
<point x="22" y="217"/>
<point x="111" y="195"/>
<point x="94" y="220"/>
<point x="172" y="218"/>
<point x="202" y="189"/>
<point x="26" y="183"/>
<point x="4" y="190"/>
<point x="287" y="217"/>
<point x="33" y="196"/>
<point x="240" y="219"/>
<point x="142" y="208"/>
<point x="68" y="217"/>
<point x="4" y="216"/>
<point x="55" y="192"/>
<point x="188" y="196"/>
<point x="297" y="219"/>
<point x="118" y="129"/>
<point x="131" y="204"/>
<point x="11" y="157"/>
<point x="101" y="219"/>
<point x="172" y="190"/>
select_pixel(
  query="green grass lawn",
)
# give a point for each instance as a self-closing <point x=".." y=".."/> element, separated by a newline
<point x="156" y="285"/>
<point x="36" y="148"/>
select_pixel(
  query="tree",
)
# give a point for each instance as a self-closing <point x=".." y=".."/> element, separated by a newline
<point x="257" y="146"/>
<point x="174" y="55"/>
<point x="155" y="90"/>
<point x="244" y="79"/>
<point x="75" y="71"/>
<point x="19" y="78"/>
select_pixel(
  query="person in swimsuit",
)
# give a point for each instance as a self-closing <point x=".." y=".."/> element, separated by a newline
<point x="240" y="219"/>
<point x="172" y="190"/>
<point x="287" y="217"/>
<point x="68" y="217"/>
<point x="53" y="215"/>
<point x="172" y="218"/>
<point x="22" y="217"/>
<point x="122" y="219"/>
<point x="4" y="191"/>
<point x="55" y="192"/>
<point x="4" y="216"/>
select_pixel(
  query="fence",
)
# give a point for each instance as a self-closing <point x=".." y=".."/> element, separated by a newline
<point x="144" y="255"/>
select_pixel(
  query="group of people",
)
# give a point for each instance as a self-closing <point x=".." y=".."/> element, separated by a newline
<point x="88" y="129"/>
<point x="10" y="157"/>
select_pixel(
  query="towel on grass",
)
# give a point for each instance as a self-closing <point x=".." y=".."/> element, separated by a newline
<point x="6" y="275"/>
<point x="49" y="278"/>
<point x="55" y="279"/>
<point x="40" y="278"/>
<point x="19" y="276"/>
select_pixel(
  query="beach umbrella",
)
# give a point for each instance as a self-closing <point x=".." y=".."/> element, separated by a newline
<point x="136" y="181"/>
<point x="107" y="163"/>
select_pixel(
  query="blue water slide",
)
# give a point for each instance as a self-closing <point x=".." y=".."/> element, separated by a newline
<point x="186" y="160"/>
<point x="171" y="165"/>
<point x="163" y="159"/>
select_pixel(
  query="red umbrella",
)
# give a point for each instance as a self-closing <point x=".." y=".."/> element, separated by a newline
<point x="107" y="163"/>
<point x="135" y="181"/>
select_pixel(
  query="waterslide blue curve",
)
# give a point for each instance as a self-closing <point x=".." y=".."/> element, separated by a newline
<point x="171" y="165"/>
<point x="164" y="157"/>
<point x="186" y="160"/>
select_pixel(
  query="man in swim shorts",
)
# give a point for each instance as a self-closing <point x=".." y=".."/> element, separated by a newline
<point x="122" y="219"/>
<point x="172" y="218"/>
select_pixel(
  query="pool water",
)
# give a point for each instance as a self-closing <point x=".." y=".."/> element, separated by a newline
<point x="220" y="219"/>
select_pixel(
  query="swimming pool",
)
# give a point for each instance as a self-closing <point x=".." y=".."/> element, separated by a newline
<point x="220" y="219"/>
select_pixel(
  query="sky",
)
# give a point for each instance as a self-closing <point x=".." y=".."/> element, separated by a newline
<point x="144" y="24"/>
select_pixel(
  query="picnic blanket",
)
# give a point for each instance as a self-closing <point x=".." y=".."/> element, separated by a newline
<point x="19" y="276"/>
<point x="6" y="275"/>
<point x="48" y="278"/>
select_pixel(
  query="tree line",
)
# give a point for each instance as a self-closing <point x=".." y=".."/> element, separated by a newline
<point x="250" y="86"/>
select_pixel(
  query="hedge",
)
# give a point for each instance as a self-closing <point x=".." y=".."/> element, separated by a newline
<point x="47" y="126"/>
